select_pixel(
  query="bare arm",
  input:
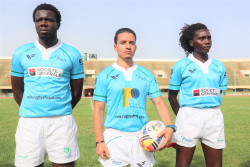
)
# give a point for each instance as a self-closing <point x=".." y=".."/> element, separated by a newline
<point x="101" y="148"/>
<point x="166" y="118"/>
<point x="172" y="98"/>
<point x="76" y="90"/>
<point x="17" y="84"/>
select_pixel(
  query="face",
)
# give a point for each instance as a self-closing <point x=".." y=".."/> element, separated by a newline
<point x="46" y="25"/>
<point x="125" y="46"/>
<point x="201" y="42"/>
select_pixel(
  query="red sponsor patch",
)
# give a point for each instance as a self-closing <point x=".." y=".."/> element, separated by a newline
<point x="196" y="91"/>
<point x="32" y="70"/>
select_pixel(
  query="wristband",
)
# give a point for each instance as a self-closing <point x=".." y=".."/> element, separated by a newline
<point x="171" y="126"/>
<point x="99" y="142"/>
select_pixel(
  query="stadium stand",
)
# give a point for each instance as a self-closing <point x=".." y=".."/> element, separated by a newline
<point x="238" y="71"/>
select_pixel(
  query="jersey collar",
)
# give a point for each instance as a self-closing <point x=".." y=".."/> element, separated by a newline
<point x="47" y="52"/>
<point x="127" y="73"/>
<point x="203" y="66"/>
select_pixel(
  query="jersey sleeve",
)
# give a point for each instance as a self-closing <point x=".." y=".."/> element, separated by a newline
<point x="154" y="90"/>
<point x="77" y="71"/>
<point x="223" y="80"/>
<point x="100" y="92"/>
<point x="175" y="77"/>
<point x="16" y="66"/>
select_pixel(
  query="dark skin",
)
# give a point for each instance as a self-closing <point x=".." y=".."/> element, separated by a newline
<point x="201" y="43"/>
<point x="46" y="27"/>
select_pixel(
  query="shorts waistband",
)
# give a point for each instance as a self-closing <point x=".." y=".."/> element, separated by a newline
<point x="137" y="133"/>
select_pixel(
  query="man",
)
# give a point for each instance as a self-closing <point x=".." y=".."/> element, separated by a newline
<point x="47" y="79"/>
<point x="124" y="86"/>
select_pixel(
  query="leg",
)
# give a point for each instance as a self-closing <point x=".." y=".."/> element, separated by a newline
<point x="213" y="156"/>
<point x="184" y="156"/>
<point x="41" y="165"/>
<point x="71" y="164"/>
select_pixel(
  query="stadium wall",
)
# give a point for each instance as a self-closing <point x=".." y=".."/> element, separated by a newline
<point x="237" y="85"/>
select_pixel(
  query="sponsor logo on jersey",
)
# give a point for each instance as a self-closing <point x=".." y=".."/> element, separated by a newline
<point x="115" y="76"/>
<point x="80" y="62"/>
<point x="30" y="56"/>
<point x="128" y="93"/>
<point x="45" y="72"/>
<point x="192" y="71"/>
<point x="206" y="92"/>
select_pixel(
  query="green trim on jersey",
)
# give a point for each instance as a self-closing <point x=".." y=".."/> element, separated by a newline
<point x="186" y="67"/>
<point x="66" y="54"/>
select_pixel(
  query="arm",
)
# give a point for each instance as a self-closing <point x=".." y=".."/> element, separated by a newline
<point x="17" y="84"/>
<point x="76" y="90"/>
<point x="166" y="118"/>
<point x="101" y="148"/>
<point x="172" y="98"/>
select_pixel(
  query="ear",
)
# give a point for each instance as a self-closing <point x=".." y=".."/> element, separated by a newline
<point x="115" y="47"/>
<point x="58" y="26"/>
<point x="191" y="43"/>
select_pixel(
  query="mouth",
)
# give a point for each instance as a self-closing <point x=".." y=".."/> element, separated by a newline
<point x="206" y="48"/>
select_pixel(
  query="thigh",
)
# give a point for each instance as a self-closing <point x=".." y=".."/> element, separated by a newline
<point x="71" y="164"/>
<point x="189" y="127"/>
<point x="61" y="139"/>
<point x="213" y="156"/>
<point x="214" y="132"/>
<point x="119" y="151"/>
<point x="30" y="150"/>
<point x="184" y="156"/>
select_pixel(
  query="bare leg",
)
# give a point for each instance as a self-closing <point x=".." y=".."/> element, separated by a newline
<point x="71" y="164"/>
<point x="184" y="156"/>
<point x="41" y="165"/>
<point x="213" y="156"/>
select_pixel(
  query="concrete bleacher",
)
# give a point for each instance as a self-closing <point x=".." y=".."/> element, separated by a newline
<point x="165" y="66"/>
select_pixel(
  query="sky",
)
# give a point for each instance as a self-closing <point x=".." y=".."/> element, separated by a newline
<point x="90" y="25"/>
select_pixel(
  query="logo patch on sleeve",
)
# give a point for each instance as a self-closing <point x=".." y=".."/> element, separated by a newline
<point x="45" y="72"/>
<point x="206" y="92"/>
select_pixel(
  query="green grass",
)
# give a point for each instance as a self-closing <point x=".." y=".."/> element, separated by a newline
<point x="236" y="112"/>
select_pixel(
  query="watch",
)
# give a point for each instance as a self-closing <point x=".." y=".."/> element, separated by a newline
<point x="171" y="126"/>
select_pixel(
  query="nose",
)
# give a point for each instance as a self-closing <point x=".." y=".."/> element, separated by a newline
<point x="43" y="22"/>
<point x="128" y="46"/>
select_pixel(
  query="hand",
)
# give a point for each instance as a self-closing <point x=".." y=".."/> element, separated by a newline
<point x="102" y="150"/>
<point x="167" y="133"/>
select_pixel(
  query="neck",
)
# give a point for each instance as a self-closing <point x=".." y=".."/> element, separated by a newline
<point x="48" y="42"/>
<point x="201" y="57"/>
<point x="125" y="63"/>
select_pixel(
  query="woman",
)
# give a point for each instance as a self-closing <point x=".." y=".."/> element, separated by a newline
<point x="200" y="80"/>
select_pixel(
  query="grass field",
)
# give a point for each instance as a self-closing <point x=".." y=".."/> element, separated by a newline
<point x="236" y="112"/>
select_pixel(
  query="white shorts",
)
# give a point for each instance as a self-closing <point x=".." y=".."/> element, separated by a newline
<point x="206" y="125"/>
<point x="125" y="150"/>
<point x="55" y="136"/>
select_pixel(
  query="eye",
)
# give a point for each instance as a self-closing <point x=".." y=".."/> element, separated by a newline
<point x="132" y="42"/>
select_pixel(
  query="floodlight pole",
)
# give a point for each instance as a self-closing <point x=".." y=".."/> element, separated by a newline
<point x="235" y="82"/>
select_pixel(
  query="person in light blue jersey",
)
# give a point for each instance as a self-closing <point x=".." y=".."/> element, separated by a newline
<point x="47" y="80"/>
<point x="199" y="80"/>
<point x="125" y="86"/>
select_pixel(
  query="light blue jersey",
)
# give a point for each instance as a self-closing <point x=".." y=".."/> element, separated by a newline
<point x="199" y="84"/>
<point x="47" y="74"/>
<point x="125" y="93"/>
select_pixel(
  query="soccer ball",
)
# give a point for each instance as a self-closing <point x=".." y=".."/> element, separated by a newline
<point x="148" y="137"/>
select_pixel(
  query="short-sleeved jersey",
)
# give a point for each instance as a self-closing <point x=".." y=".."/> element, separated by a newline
<point x="47" y="74"/>
<point x="199" y="84"/>
<point x="125" y="93"/>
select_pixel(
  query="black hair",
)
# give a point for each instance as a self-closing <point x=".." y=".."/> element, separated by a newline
<point x="122" y="30"/>
<point x="187" y="33"/>
<point x="45" y="6"/>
